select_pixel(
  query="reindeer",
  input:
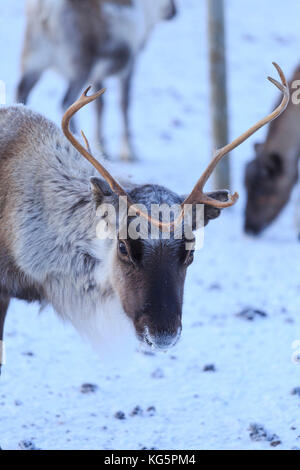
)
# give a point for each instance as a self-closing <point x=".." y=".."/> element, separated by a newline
<point x="108" y="288"/>
<point x="271" y="176"/>
<point x="89" y="40"/>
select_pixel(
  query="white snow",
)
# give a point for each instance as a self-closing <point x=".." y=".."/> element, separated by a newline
<point x="40" y="397"/>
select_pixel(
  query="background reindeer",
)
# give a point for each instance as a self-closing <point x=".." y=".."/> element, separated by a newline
<point x="89" y="40"/>
<point x="49" y="250"/>
<point x="272" y="175"/>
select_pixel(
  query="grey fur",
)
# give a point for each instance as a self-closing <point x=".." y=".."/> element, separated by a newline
<point x="54" y="214"/>
<point x="49" y="250"/>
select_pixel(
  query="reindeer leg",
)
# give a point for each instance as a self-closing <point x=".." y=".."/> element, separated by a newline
<point x="127" y="153"/>
<point x="4" y="302"/>
<point x="99" y="103"/>
<point x="27" y="82"/>
<point x="74" y="90"/>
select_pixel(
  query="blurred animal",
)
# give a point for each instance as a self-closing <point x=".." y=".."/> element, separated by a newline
<point x="271" y="176"/>
<point x="51" y="206"/>
<point x="89" y="40"/>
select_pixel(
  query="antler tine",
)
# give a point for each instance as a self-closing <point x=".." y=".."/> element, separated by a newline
<point x="71" y="111"/>
<point x="197" y="195"/>
<point x="87" y="144"/>
<point x="283" y="83"/>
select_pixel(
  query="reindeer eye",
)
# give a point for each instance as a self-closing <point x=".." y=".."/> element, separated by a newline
<point x="123" y="249"/>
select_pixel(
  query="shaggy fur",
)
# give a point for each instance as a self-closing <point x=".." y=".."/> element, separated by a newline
<point x="49" y="250"/>
<point x="48" y="246"/>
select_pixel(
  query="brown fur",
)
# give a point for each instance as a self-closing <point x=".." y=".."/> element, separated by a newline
<point x="13" y="282"/>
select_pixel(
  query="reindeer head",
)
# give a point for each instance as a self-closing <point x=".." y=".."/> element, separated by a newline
<point x="269" y="183"/>
<point x="148" y="273"/>
<point x="148" y="269"/>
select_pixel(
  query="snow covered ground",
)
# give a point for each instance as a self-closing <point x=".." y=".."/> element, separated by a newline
<point x="47" y="362"/>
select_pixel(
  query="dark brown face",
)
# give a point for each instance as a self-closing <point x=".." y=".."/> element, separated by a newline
<point x="268" y="190"/>
<point x="150" y="276"/>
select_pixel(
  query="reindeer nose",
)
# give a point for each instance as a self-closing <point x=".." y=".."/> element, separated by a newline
<point x="252" y="229"/>
<point x="165" y="340"/>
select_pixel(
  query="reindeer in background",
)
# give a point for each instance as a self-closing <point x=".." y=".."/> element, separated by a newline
<point x="89" y="40"/>
<point x="271" y="176"/>
<point x="110" y="289"/>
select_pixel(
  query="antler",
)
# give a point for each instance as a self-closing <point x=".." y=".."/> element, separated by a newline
<point x="73" y="109"/>
<point x="86" y="152"/>
<point x="197" y="196"/>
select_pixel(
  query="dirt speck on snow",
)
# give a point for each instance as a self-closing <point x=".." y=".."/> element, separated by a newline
<point x="259" y="433"/>
<point x="88" y="388"/>
<point x="251" y="314"/>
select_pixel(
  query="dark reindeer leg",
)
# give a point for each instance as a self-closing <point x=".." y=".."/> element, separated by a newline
<point x="4" y="302"/>
<point x="99" y="103"/>
<point x="27" y="82"/>
<point x="74" y="90"/>
<point x="127" y="153"/>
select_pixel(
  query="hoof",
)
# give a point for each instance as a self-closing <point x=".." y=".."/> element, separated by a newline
<point x="128" y="158"/>
<point x="127" y="154"/>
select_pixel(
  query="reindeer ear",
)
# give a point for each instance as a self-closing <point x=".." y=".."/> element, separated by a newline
<point x="100" y="190"/>
<point x="106" y="202"/>
<point x="211" y="212"/>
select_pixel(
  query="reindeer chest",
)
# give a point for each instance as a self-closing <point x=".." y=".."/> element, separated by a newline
<point x="127" y="27"/>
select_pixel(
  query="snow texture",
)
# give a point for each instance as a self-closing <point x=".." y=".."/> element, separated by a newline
<point x="227" y="376"/>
